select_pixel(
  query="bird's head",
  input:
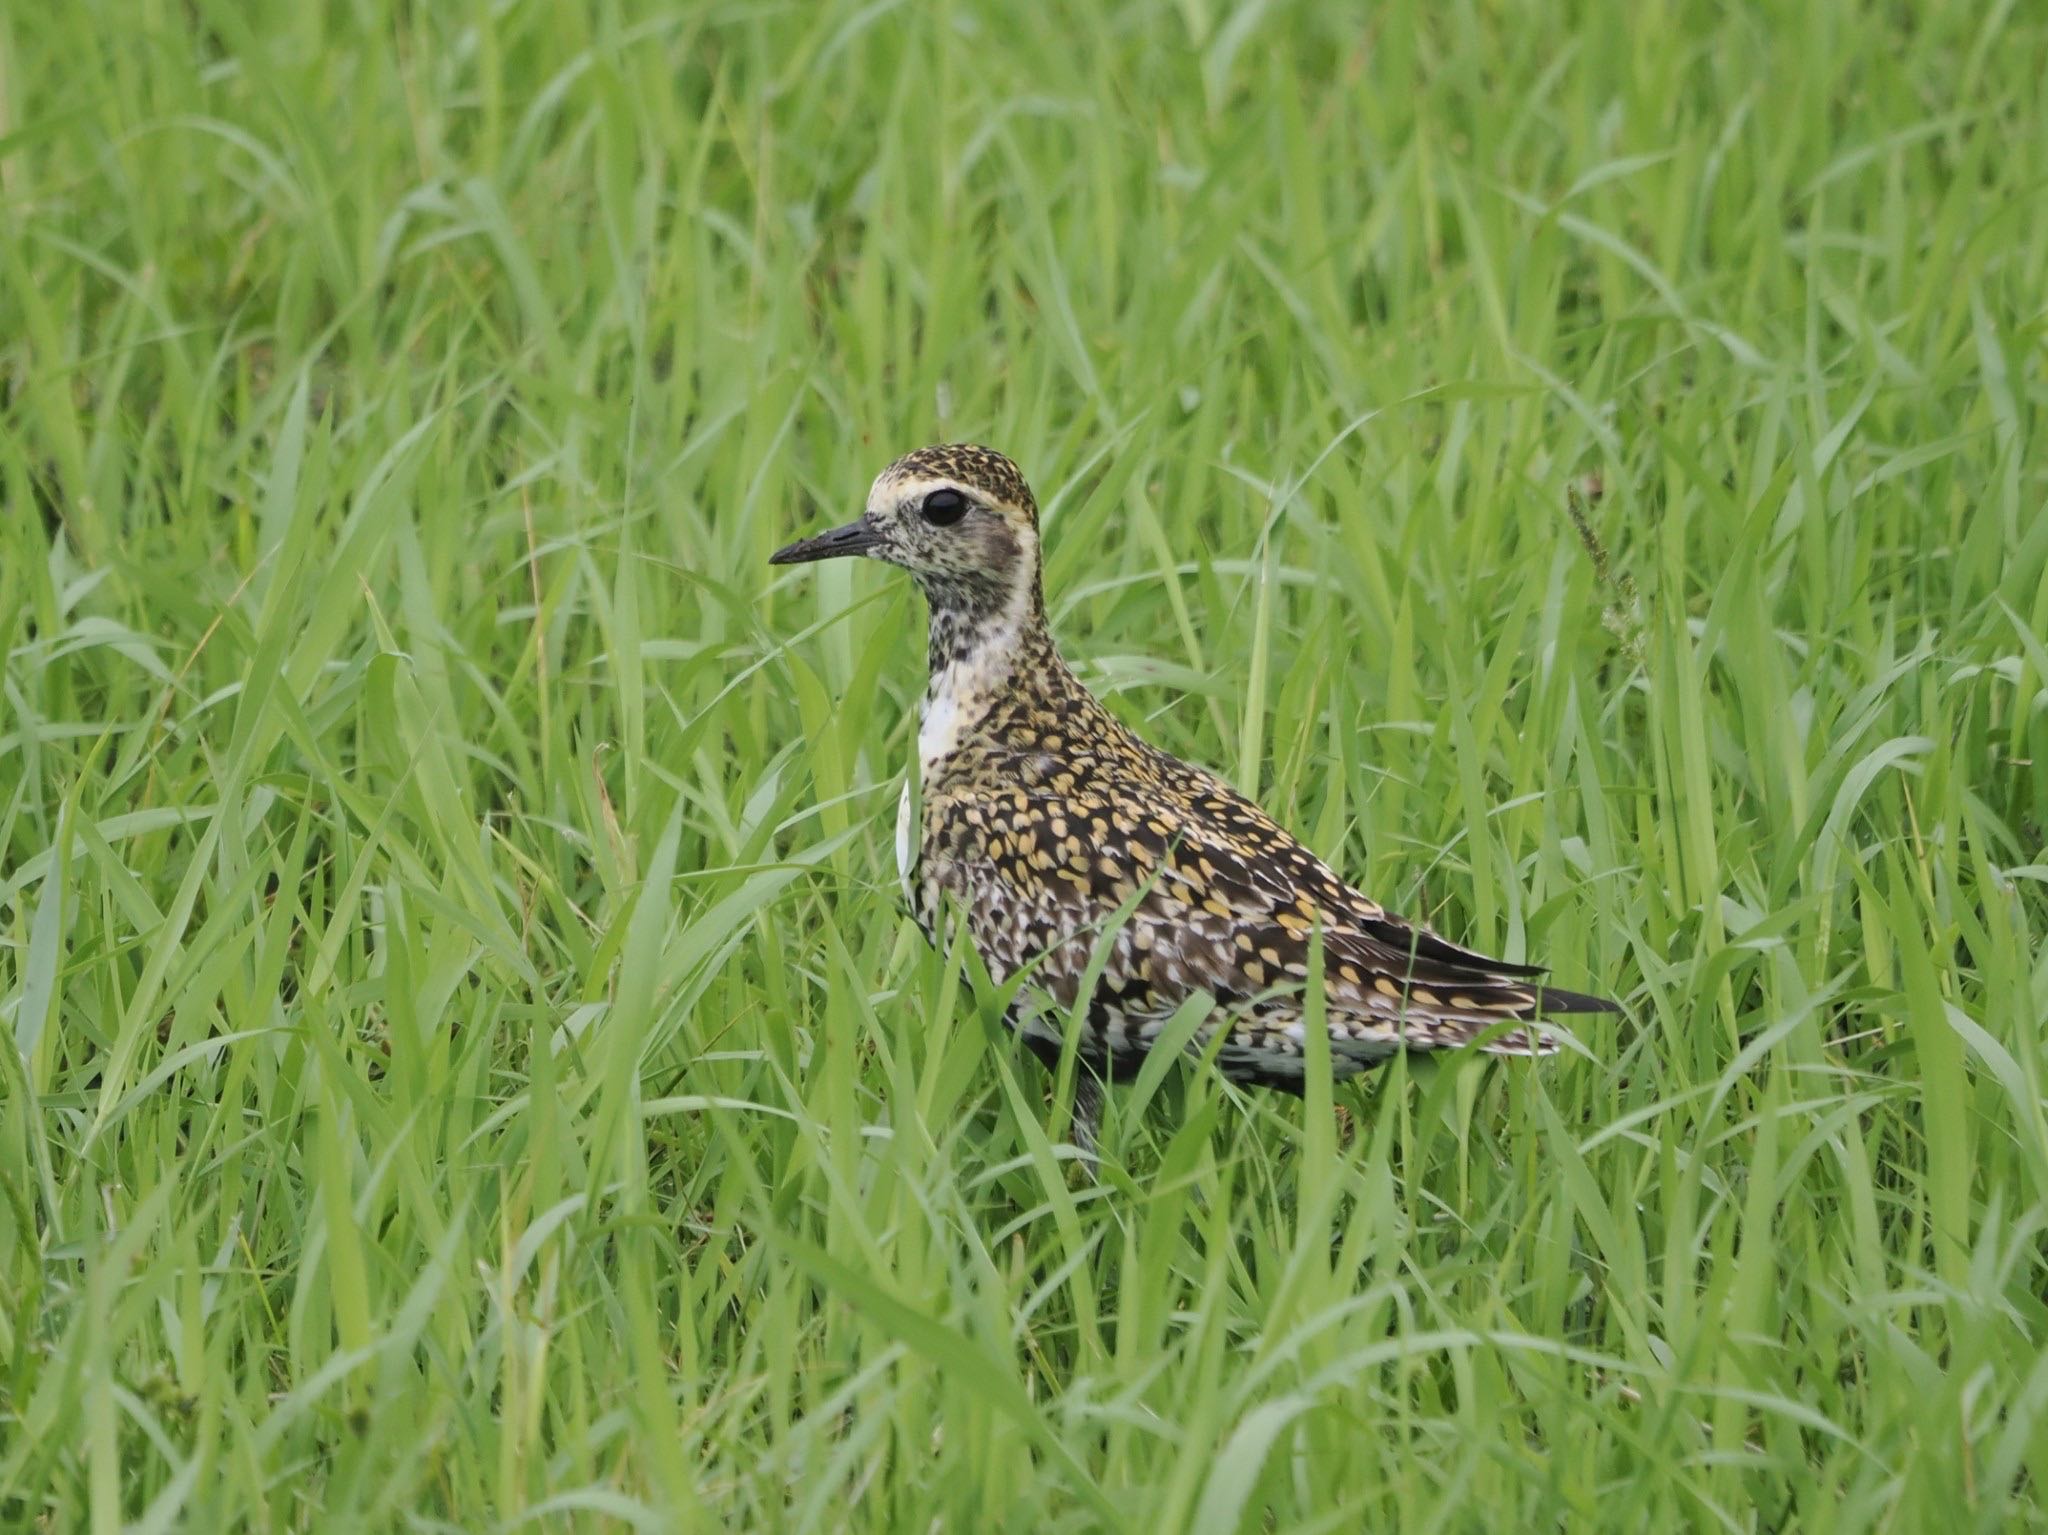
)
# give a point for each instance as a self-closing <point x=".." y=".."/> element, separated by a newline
<point x="957" y="516"/>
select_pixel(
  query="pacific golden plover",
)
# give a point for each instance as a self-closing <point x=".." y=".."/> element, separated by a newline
<point x="1051" y="824"/>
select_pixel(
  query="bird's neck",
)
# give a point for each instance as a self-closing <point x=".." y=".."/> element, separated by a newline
<point x="983" y="622"/>
<point x="986" y="642"/>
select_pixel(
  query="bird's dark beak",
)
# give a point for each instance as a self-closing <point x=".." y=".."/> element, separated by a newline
<point x="855" y="538"/>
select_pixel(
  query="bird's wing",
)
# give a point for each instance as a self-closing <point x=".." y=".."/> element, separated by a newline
<point x="1219" y="899"/>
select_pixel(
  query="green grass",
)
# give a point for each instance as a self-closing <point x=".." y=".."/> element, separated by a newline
<point x="470" y="1068"/>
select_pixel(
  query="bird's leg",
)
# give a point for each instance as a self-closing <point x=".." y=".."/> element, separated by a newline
<point x="1086" y="1132"/>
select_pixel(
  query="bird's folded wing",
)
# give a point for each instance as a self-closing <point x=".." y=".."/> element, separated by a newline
<point x="1217" y="898"/>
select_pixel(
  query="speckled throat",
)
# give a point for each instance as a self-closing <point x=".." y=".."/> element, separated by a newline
<point x="987" y="644"/>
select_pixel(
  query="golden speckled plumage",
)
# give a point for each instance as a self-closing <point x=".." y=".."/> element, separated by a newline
<point x="1043" y="818"/>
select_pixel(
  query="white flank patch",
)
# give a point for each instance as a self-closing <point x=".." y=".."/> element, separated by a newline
<point x="903" y="845"/>
<point x="939" y="734"/>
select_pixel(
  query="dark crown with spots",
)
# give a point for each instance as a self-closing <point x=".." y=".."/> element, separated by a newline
<point x="969" y="464"/>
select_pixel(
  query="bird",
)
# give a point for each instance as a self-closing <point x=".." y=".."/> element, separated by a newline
<point x="1055" y="829"/>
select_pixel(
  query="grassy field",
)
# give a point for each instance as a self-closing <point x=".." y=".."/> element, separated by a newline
<point x="1580" y="464"/>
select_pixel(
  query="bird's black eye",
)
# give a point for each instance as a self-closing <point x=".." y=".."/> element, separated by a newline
<point x="943" y="507"/>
